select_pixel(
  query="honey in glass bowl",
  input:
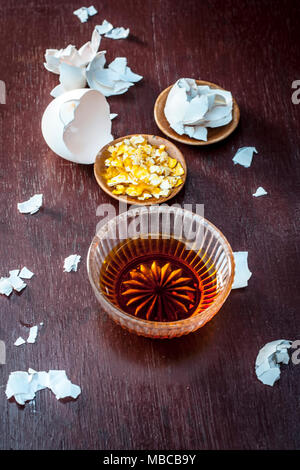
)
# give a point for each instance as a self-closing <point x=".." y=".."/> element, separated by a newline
<point x="158" y="279"/>
<point x="160" y="283"/>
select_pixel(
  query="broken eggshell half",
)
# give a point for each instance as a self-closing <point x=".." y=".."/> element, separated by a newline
<point x="77" y="124"/>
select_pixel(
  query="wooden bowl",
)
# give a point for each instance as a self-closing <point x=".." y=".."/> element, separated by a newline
<point x="213" y="135"/>
<point x="100" y="168"/>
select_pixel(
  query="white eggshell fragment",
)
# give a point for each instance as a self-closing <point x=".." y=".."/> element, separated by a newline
<point x="267" y="366"/>
<point x="118" y="33"/>
<point x="70" y="64"/>
<point x="71" y="77"/>
<point x="242" y="272"/>
<point x="104" y="27"/>
<point x="244" y="156"/>
<point x="71" y="263"/>
<point x="191" y="109"/>
<point x="77" y="124"/>
<point x="19" y="341"/>
<point x="260" y="192"/>
<point x="113" y="80"/>
<point x="25" y="273"/>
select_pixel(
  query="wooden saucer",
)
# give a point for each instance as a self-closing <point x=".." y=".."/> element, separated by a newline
<point x="100" y="168"/>
<point x="213" y="135"/>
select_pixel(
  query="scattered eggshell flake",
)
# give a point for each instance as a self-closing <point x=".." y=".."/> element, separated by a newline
<point x="244" y="156"/>
<point x="5" y="286"/>
<point x="190" y="108"/>
<point x="267" y="367"/>
<point x="92" y="10"/>
<point x="242" y="272"/>
<point x="259" y="192"/>
<point x="71" y="263"/>
<point x="83" y="13"/>
<point x="16" y="282"/>
<point x="33" y="331"/>
<point x="77" y="124"/>
<point x="13" y="282"/>
<point x="32" y="334"/>
<point x="105" y="27"/>
<point x="24" y="385"/>
<point x="14" y="273"/>
<point x="32" y="205"/>
<point x="113" y="116"/>
<point x="61" y="386"/>
<point x="19" y="341"/>
<point x="117" y="33"/>
<point x="25" y="273"/>
<point x="19" y="386"/>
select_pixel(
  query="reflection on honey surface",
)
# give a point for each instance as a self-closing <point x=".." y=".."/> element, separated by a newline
<point x="158" y="279"/>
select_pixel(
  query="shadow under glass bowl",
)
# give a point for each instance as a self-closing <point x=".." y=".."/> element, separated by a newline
<point x="201" y="237"/>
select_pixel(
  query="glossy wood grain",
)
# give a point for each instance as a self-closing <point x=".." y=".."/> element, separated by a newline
<point x="195" y="392"/>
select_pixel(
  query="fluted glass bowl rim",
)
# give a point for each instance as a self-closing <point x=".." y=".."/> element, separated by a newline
<point x="154" y="325"/>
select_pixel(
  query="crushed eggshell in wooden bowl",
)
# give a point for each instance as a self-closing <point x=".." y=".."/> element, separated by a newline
<point x="140" y="169"/>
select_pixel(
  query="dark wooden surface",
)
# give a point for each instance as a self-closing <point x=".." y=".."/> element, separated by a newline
<point x="200" y="391"/>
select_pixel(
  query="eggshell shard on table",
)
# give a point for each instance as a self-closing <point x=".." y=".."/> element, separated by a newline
<point x="19" y="341"/>
<point x="242" y="272"/>
<point x="5" y="286"/>
<point x="92" y="10"/>
<point x="24" y="385"/>
<point x="107" y="29"/>
<point x="244" y="156"/>
<point x="16" y="282"/>
<point x="77" y="124"/>
<point x="61" y="386"/>
<point x="25" y="273"/>
<point x="83" y="13"/>
<point x="32" y="205"/>
<point x="260" y="192"/>
<point x="267" y="367"/>
<point x="104" y="27"/>
<point x="71" y="263"/>
<point x="118" y="33"/>
<point x="32" y="334"/>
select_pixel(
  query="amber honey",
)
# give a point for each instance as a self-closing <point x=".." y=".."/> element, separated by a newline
<point x="158" y="279"/>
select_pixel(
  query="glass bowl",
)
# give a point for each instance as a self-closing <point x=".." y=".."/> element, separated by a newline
<point x="200" y="237"/>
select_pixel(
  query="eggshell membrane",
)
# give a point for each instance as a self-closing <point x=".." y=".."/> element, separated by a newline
<point x="88" y="129"/>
